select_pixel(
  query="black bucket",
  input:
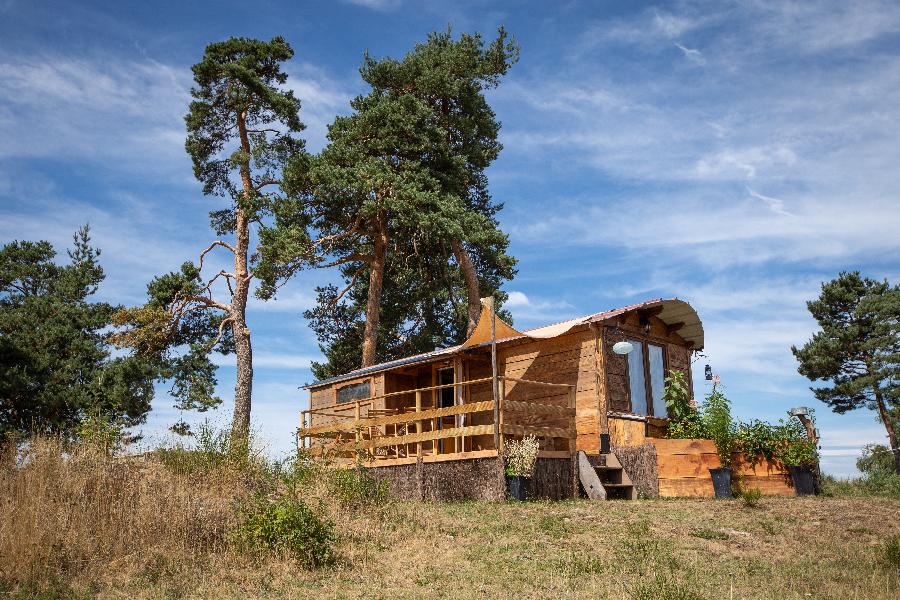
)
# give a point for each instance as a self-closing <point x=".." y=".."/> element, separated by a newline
<point x="721" y="479"/>
<point x="517" y="486"/>
<point x="804" y="482"/>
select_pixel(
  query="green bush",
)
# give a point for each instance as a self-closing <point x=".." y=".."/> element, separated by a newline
<point x="876" y="459"/>
<point x="890" y="553"/>
<point x="716" y="416"/>
<point x="357" y="488"/>
<point x="289" y="526"/>
<point x="750" y="497"/>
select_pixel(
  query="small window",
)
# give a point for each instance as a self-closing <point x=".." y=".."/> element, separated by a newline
<point x="354" y="391"/>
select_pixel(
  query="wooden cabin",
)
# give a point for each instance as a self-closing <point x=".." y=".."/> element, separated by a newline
<point x="562" y="383"/>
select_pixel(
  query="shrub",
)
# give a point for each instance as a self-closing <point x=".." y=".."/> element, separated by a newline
<point x="289" y="526"/>
<point x="521" y="456"/>
<point x="876" y="459"/>
<point x="890" y="553"/>
<point x="720" y="427"/>
<point x="750" y="497"/>
<point x="358" y="488"/>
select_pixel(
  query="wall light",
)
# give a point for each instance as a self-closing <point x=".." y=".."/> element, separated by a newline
<point x="622" y="347"/>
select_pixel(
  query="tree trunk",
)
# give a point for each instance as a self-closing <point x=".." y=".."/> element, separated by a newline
<point x="889" y="426"/>
<point x="240" y="424"/>
<point x="473" y="290"/>
<point x="376" y="279"/>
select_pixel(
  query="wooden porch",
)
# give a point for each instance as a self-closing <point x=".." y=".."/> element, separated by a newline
<point x="403" y="426"/>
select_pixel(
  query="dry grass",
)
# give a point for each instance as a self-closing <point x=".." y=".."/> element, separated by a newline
<point x="112" y="529"/>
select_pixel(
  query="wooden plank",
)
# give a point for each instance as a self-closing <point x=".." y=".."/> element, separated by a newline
<point x="402" y="418"/>
<point x="689" y="446"/>
<point x="679" y="466"/>
<point x="540" y="383"/>
<point x="589" y="479"/>
<point x="696" y="487"/>
<point x="538" y="408"/>
<point x="556" y="432"/>
<point x="440" y="434"/>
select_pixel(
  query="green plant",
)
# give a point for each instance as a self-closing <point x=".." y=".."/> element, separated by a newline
<point x="102" y="432"/>
<point x="677" y="396"/>
<point x="521" y="456"/>
<point x="798" y="452"/>
<point x="890" y="553"/>
<point x="758" y="439"/>
<point x="709" y="534"/>
<point x="358" y="488"/>
<point x="876" y="459"/>
<point x="289" y="526"/>
<point x="750" y="497"/>
<point x="719" y="426"/>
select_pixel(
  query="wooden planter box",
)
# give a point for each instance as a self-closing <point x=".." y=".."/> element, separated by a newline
<point x="683" y="470"/>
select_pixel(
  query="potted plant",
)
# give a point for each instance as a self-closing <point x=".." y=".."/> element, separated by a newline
<point x="720" y="428"/>
<point x="521" y="457"/>
<point x="800" y="456"/>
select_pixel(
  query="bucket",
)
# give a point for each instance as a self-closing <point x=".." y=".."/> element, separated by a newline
<point x="517" y="486"/>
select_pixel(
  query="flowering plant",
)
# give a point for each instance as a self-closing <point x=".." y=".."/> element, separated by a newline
<point x="521" y="456"/>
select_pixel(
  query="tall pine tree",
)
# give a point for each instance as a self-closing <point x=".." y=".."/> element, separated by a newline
<point x="857" y="349"/>
<point x="241" y="128"/>
<point x="400" y="190"/>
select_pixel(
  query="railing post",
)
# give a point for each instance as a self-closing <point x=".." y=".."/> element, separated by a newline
<point x="573" y="420"/>
<point x="418" y="421"/>
<point x="500" y="398"/>
<point x="358" y="433"/>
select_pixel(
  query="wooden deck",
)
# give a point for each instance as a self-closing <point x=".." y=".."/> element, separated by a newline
<point x="479" y="429"/>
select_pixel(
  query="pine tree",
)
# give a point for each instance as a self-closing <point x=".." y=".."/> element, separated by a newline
<point x="240" y="135"/>
<point x="56" y="368"/>
<point x="857" y="349"/>
<point x="398" y="191"/>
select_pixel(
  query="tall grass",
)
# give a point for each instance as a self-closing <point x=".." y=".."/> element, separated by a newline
<point x="68" y="512"/>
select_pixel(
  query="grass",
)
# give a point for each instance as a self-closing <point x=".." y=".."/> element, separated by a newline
<point x="159" y="527"/>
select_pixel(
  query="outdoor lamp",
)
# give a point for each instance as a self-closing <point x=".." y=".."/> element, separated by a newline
<point x="708" y="372"/>
<point x="622" y="347"/>
<point x="798" y="411"/>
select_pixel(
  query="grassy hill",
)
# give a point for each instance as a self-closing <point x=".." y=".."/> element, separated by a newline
<point x="201" y="525"/>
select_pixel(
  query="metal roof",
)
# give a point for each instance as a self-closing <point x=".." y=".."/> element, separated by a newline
<point x="673" y="311"/>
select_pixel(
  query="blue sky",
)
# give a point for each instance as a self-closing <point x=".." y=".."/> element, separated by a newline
<point x="733" y="154"/>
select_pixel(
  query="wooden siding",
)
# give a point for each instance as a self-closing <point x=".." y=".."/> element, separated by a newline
<point x="683" y="469"/>
<point x="567" y="359"/>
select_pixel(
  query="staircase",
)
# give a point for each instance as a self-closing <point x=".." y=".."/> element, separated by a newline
<point x="603" y="478"/>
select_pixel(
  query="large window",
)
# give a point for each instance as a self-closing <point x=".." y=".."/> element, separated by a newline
<point x="646" y="378"/>
<point x="354" y="392"/>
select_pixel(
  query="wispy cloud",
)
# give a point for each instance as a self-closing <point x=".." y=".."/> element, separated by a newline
<point x="692" y="54"/>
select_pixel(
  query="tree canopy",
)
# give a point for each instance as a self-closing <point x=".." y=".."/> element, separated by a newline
<point x="56" y="365"/>
<point x="241" y="130"/>
<point x="398" y="191"/>
<point x="857" y="348"/>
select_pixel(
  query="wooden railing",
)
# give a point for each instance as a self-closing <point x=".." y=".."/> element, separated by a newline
<point x="408" y="432"/>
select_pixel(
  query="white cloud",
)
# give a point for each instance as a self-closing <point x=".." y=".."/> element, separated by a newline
<point x="127" y="112"/>
<point x="382" y="5"/>
<point x="692" y="54"/>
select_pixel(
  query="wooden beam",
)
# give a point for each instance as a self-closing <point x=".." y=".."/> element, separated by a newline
<point x="673" y="327"/>
<point x="650" y="312"/>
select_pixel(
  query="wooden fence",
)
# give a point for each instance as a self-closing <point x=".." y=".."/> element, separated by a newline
<point x="405" y="436"/>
